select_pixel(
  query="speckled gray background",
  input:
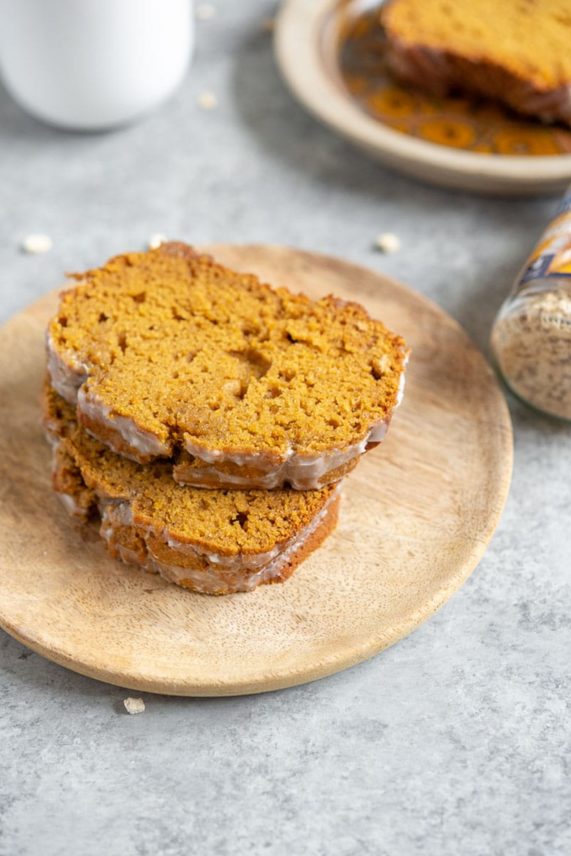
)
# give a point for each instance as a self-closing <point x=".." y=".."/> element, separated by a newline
<point x="456" y="742"/>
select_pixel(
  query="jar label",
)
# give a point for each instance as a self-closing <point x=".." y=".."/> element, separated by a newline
<point x="552" y="255"/>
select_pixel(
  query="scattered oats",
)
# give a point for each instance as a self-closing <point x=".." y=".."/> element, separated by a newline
<point x="156" y="240"/>
<point x="134" y="705"/>
<point x="387" y="243"/>
<point x="268" y="25"/>
<point x="205" y="11"/>
<point x="207" y="101"/>
<point x="35" y="244"/>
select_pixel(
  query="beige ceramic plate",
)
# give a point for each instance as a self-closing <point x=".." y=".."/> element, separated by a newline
<point x="416" y="516"/>
<point x="307" y="44"/>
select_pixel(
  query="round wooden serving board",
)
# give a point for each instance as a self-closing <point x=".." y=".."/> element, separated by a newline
<point x="309" y="38"/>
<point x="416" y="517"/>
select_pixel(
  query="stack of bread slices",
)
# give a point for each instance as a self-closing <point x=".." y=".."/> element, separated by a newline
<point x="203" y="420"/>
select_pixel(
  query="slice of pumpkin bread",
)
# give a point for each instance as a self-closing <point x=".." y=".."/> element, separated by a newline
<point x="167" y="353"/>
<point x="516" y="51"/>
<point x="212" y="542"/>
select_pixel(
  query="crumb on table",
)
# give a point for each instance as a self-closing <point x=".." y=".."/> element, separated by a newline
<point x="37" y="243"/>
<point x="134" y="705"/>
<point x="205" y="11"/>
<point x="387" y="242"/>
<point x="156" y="240"/>
<point x="207" y="101"/>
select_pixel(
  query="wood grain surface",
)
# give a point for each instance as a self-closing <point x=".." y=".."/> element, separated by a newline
<point x="416" y="517"/>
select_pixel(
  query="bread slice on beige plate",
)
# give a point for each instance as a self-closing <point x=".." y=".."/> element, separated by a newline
<point x="516" y="51"/>
<point x="166" y="354"/>
<point x="212" y="542"/>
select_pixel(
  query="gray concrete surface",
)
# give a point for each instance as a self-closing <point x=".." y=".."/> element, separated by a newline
<point x="456" y="742"/>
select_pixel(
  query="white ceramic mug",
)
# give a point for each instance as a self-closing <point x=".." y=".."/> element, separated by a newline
<point x="93" y="64"/>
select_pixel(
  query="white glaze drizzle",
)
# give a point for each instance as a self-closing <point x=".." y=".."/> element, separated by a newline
<point x="301" y="471"/>
<point x="145" y="443"/>
<point x="71" y="505"/>
<point x="66" y="375"/>
<point x="215" y="577"/>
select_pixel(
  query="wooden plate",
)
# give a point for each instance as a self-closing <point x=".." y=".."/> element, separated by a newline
<point x="307" y="45"/>
<point x="416" y="516"/>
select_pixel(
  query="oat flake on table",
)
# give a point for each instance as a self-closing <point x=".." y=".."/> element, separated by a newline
<point x="134" y="705"/>
<point x="207" y="101"/>
<point x="387" y="243"/>
<point x="37" y="243"/>
<point x="156" y="240"/>
<point x="205" y="11"/>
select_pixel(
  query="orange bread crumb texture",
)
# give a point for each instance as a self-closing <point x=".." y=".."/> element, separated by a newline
<point x="195" y="354"/>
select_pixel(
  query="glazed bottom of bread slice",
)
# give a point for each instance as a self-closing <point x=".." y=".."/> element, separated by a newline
<point x="211" y="542"/>
<point x="442" y="72"/>
<point x="199" y="467"/>
<point x="208" y="576"/>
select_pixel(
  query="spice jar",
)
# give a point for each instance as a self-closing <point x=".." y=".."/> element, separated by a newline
<point x="531" y="336"/>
